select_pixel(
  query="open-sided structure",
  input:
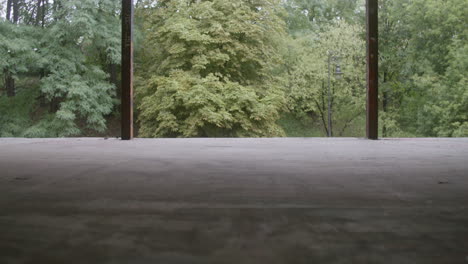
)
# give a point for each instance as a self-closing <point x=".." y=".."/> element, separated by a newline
<point x="372" y="69"/>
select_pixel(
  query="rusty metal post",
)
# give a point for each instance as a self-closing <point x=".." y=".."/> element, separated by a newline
<point x="127" y="70"/>
<point x="372" y="69"/>
<point x="330" y="134"/>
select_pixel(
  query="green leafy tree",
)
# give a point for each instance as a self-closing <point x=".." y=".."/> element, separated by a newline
<point x="232" y="68"/>
<point x="307" y="72"/>
<point x="76" y="82"/>
<point x="442" y="105"/>
<point x="423" y="67"/>
<point x="394" y="66"/>
<point x="19" y="53"/>
<point x="208" y="69"/>
<point x="439" y="46"/>
<point x="316" y="15"/>
<point x="67" y="49"/>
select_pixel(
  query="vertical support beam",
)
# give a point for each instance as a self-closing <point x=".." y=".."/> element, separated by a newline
<point x="127" y="70"/>
<point x="372" y="21"/>
<point x="330" y="131"/>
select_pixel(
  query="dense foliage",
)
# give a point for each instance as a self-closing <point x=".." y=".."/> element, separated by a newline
<point x="424" y="61"/>
<point x="237" y="68"/>
<point x="207" y="69"/>
<point x="57" y="55"/>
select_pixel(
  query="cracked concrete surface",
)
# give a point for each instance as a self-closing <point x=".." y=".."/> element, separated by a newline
<point x="294" y="200"/>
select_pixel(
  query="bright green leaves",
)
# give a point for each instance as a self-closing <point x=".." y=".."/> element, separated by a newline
<point x="307" y="74"/>
<point x="187" y="105"/>
<point x="228" y="68"/>
<point x="210" y="69"/>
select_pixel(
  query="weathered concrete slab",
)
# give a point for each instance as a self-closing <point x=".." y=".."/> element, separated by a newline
<point x="296" y="200"/>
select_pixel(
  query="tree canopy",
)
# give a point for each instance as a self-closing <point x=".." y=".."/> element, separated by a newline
<point x="232" y="68"/>
<point x="207" y="69"/>
<point x="66" y="46"/>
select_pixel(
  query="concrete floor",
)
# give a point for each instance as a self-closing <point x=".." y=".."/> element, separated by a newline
<point x="236" y="201"/>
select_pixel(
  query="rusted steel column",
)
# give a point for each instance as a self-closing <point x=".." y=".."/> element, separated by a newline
<point x="127" y="70"/>
<point x="372" y="18"/>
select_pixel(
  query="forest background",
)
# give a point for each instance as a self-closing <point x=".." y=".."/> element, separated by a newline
<point x="232" y="68"/>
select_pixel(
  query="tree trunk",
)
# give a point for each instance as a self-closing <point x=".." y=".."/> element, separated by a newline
<point x="45" y="4"/>
<point x="8" y="79"/>
<point x="8" y="12"/>
<point x="384" y="106"/>
<point x="15" y="11"/>
<point x="324" y="107"/>
<point x="54" y="105"/>
<point x="39" y="11"/>
<point x="9" y="84"/>
<point x="113" y="74"/>
<point x="57" y="6"/>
